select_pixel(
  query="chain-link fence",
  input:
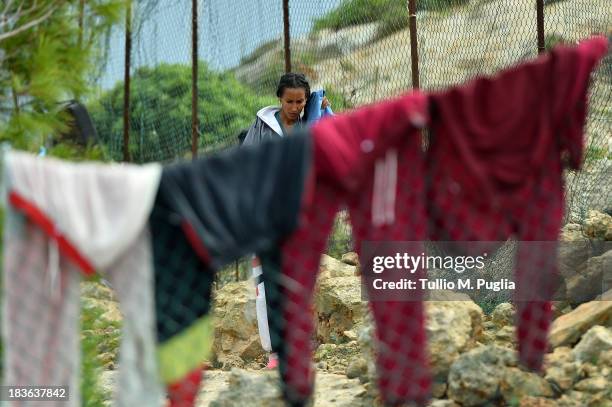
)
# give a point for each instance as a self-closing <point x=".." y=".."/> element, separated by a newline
<point x="360" y="52"/>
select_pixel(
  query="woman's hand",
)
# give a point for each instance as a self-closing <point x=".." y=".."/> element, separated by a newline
<point x="325" y="103"/>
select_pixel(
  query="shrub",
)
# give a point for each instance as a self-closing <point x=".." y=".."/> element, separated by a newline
<point x="160" y="112"/>
<point x="392" y="14"/>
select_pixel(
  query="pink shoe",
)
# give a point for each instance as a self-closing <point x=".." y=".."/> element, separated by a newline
<point x="272" y="361"/>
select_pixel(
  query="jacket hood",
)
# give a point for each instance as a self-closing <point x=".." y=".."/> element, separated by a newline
<point x="267" y="116"/>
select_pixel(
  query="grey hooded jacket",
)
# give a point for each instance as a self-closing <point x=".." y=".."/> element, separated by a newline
<point x="264" y="128"/>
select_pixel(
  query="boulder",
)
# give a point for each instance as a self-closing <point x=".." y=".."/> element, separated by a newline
<point x="475" y="377"/>
<point x="236" y="334"/>
<point x="596" y="341"/>
<point x="598" y="225"/>
<point x="562" y="371"/>
<point x="588" y="283"/>
<point x="568" y="328"/>
<point x="516" y="384"/>
<point x="338" y="301"/>
<point x="465" y="319"/>
<point x="503" y="315"/>
<point x="351" y="259"/>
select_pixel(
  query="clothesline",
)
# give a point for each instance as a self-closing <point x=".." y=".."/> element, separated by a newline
<point x="492" y="170"/>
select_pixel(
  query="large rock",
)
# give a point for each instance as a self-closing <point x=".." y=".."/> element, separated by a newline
<point x="338" y="301"/>
<point x="357" y="368"/>
<point x="561" y="368"/>
<point x="516" y="384"/>
<point x="475" y="376"/>
<point x="503" y="315"/>
<point x="598" y="225"/>
<point x="574" y="249"/>
<point x="445" y="344"/>
<point x="596" y="341"/>
<point x="506" y="336"/>
<point x="351" y="258"/>
<point x="567" y="329"/>
<point x="607" y="296"/>
<point x="606" y="359"/>
<point x="593" y="384"/>
<point x="584" y="399"/>
<point x="587" y="284"/>
<point x="331" y="267"/>
<point x="236" y="333"/>
<point x="530" y="401"/>
<point x="464" y="318"/>
<point x="246" y="388"/>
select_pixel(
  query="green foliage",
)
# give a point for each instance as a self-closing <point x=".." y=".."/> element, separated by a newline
<point x="355" y="12"/>
<point x="99" y="337"/>
<point x="160" y="111"/>
<point x="340" y="241"/>
<point x="594" y="153"/>
<point x="339" y="102"/>
<point x="489" y="304"/>
<point x="91" y="392"/>
<point x="392" y="14"/>
<point x="1" y="271"/>
<point x="392" y="20"/>
<point x="439" y="5"/>
<point x="73" y="152"/>
<point x="552" y="40"/>
<point x="45" y="59"/>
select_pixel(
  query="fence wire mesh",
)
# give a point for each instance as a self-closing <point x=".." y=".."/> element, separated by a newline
<point x="359" y="51"/>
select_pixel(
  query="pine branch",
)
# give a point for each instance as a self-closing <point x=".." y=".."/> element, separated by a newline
<point x="29" y="24"/>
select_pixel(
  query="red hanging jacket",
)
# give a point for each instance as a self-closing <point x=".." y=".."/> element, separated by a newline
<point x="495" y="169"/>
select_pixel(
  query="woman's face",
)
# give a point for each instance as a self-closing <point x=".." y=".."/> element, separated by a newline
<point x="293" y="101"/>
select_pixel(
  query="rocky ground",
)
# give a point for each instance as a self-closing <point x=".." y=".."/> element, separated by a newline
<point x="472" y="353"/>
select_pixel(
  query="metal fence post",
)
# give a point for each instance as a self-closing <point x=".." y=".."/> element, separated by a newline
<point x="414" y="53"/>
<point x="540" y="24"/>
<point x="194" y="79"/>
<point x="287" y="36"/>
<point x="126" y="82"/>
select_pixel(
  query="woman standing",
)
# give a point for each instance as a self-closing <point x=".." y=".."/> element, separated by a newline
<point x="293" y="92"/>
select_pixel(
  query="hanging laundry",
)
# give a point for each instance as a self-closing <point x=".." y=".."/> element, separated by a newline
<point x="345" y="151"/>
<point x="65" y="220"/>
<point x="158" y="237"/>
<point x="495" y="167"/>
<point x="389" y="206"/>
<point x="207" y="214"/>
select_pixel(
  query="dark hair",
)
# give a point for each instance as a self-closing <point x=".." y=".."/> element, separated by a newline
<point x="293" y="80"/>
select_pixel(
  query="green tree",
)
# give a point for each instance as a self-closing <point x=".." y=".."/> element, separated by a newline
<point x="47" y="48"/>
<point x="160" y="112"/>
